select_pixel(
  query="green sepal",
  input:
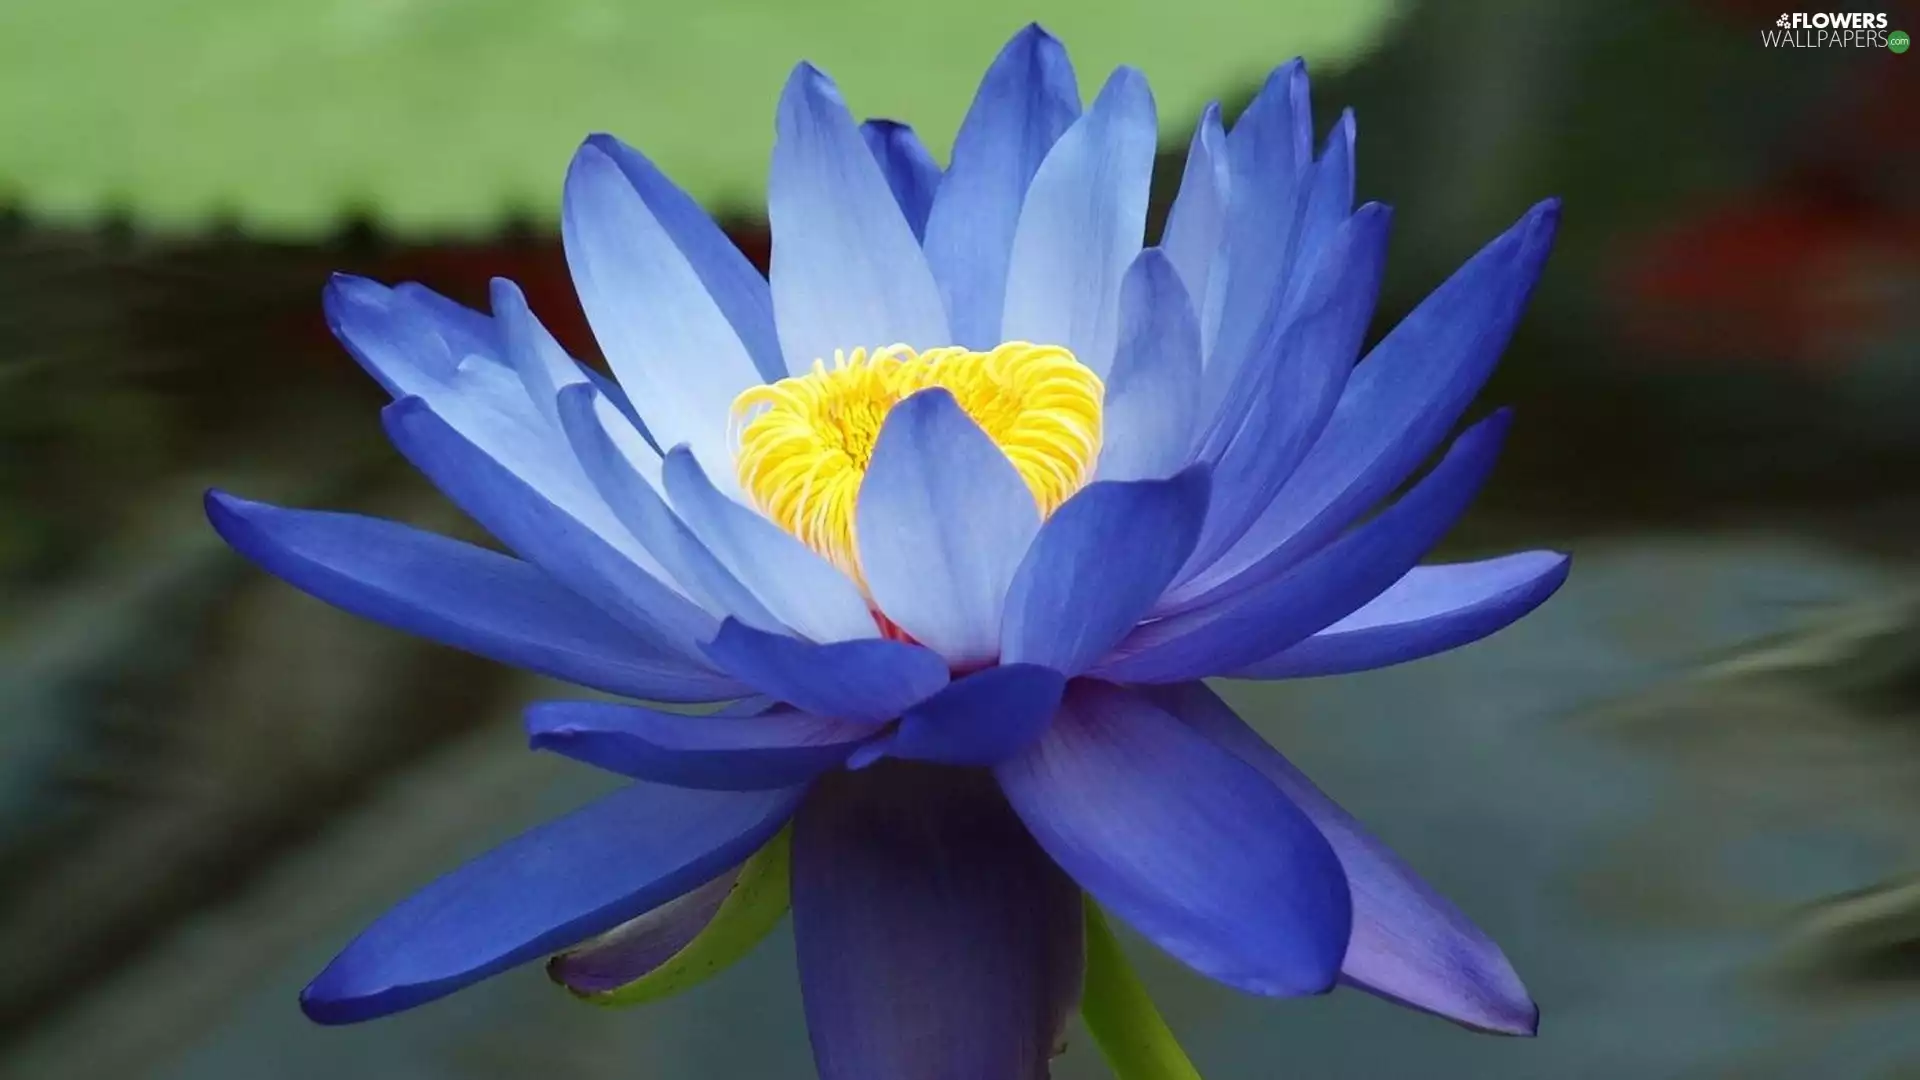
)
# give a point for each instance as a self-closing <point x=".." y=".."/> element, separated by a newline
<point x="759" y="898"/>
<point x="1130" y="1032"/>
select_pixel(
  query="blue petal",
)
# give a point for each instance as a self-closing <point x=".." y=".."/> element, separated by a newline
<point x="847" y="271"/>
<point x="673" y="349"/>
<point x="736" y="285"/>
<point x="983" y="719"/>
<point x="1409" y="944"/>
<point x="942" y="521"/>
<point x="557" y="885"/>
<point x="862" y="681"/>
<point x="1097" y="567"/>
<point x="933" y="938"/>
<point x="774" y="749"/>
<point x="1269" y="152"/>
<point x="544" y="367"/>
<point x="459" y="595"/>
<point x="1028" y="98"/>
<point x="1239" y="629"/>
<point x="1195" y="232"/>
<point x="796" y="586"/>
<point x="616" y="461"/>
<point x="465" y="331"/>
<point x="1153" y="391"/>
<point x="1329" y="200"/>
<point x="527" y="520"/>
<point x="1082" y="224"/>
<point x="389" y="334"/>
<point x="1290" y="386"/>
<point x="1187" y="843"/>
<point x="912" y="174"/>
<point x="1400" y="403"/>
<point x="1430" y="610"/>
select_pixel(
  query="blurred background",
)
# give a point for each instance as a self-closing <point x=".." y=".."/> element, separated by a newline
<point x="1685" y="796"/>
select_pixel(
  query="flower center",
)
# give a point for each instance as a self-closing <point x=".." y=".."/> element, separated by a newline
<point x="804" y="442"/>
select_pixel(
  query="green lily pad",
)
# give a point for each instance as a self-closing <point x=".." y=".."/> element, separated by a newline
<point x="282" y="116"/>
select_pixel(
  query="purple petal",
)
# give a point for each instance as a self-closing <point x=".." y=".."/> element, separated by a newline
<point x="983" y="719"/>
<point x="1082" y="225"/>
<point x="912" y="174"/>
<point x="933" y="937"/>
<point x="1153" y="391"/>
<point x="1187" y="843"/>
<point x="777" y="748"/>
<point x="870" y="680"/>
<point x="943" y="520"/>
<point x="1409" y="943"/>
<point x="1027" y="99"/>
<point x="1241" y="628"/>
<point x="457" y="594"/>
<point x="1097" y="567"/>
<point x="550" y="888"/>
<point x="529" y="521"/>
<point x="1430" y="610"/>
<point x="1400" y="403"/>
<point x="847" y="272"/>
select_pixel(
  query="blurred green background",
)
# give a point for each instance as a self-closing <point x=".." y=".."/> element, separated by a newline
<point x="1685" y="796"/>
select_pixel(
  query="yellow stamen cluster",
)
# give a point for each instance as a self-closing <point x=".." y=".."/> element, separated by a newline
<point x="804" y="442"/>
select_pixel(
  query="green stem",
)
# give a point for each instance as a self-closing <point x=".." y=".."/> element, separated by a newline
<point x="1131" y="1034"/>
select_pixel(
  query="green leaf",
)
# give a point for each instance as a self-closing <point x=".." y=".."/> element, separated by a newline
<point x="1131" y="1034"/>
<point x="751" y="910"/>
<point x="433" y="115"/>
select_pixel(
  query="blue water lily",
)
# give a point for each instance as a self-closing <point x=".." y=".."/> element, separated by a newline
<point x="954" y="509"/>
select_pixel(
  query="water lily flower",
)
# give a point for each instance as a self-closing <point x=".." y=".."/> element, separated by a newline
<point x="955" y="510"/>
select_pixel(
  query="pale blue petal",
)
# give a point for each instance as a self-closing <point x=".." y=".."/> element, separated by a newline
<point x="1269" y="151"/>
<point x="736" y="285"/>
<point x="798" y="588"/>
<point x="1027" y="99"/>
<point x="524" y="516"/>
<point x="543" y="366"/>
<point x="676" y="355"/>
<point x="911" y="172"/>
<point x="1153" y="391"/>
<point x="1082" y="224"/>
<point x="617" y="462"/>
<point x="1195" y="233"/>
<point x="847" y="272"/>
<point x="943" y="521"/>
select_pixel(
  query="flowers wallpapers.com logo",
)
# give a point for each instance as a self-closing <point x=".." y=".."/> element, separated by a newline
<point x="1825" y="29"/>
